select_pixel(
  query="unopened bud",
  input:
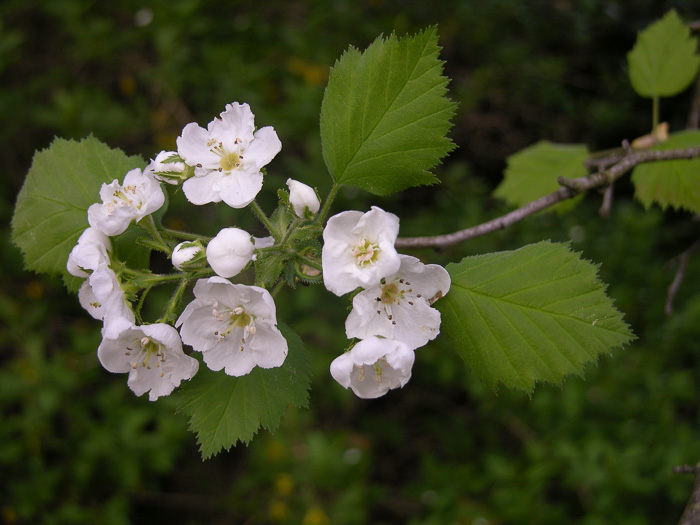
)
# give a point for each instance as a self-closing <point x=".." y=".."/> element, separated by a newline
<point x="188" y="255"/>
<point x="302" y="197"/>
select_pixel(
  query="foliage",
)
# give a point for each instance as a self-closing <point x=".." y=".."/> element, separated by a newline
<point x="663" y="62"/>
<point x="551" y="312"/>
<point x="384" y="116"/>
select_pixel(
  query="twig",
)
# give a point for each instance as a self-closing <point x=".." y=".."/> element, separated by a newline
<point x="605" y="208"/>
<point x="683" y="259"/>
<point x="570" y="188"/>
<point x="691" y="514"/>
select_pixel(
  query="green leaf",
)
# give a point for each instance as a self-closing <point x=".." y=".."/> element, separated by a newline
<point x="51" y="210"/>
<point x="224" y="409"/>
<point x="384" y="115"/>
<point x="532" y="172"/>
<point x="663" y="61"/>
<point x="534" y="314"/>
<point x="673" y="183"/>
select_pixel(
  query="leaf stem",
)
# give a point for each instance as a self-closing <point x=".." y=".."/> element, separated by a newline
<point x="327" y="203"/>
<point x="655" y="114"/>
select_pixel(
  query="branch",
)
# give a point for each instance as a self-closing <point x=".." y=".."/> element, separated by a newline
<point x="680" y="274"/>
<point x="570" y="188"/>
<point x="691" y="514"/>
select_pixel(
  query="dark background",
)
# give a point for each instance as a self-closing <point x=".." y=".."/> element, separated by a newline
<point x="76" y="446"/>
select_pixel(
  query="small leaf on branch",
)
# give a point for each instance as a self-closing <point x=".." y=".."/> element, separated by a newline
<point x="674" y="183"/>
<point x="51" y="210"/>
<point x="534" y="314"/>
<point x="533" y="172"/>
<point x="664" y="60"/>
<point x="224" y="410"/>
<point x="385" y="117"/>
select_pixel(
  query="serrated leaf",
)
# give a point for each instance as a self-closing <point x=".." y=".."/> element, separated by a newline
<point x="224" y="410"/>
<point x="532" y="172"/>
<point x="384" y="114"/>
<point x="663" y="61"/>
<point x="673" y="183"/>
<point x="534" y="314"/>
<point x="51" y="209"/>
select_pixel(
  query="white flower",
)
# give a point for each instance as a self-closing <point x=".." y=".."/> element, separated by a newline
<point x="184" y="253"/>
<point x="373" y="367"/>
<point x="104" y="299"/>
<point x="151" y="354"/>
<point x="358" y="249"/>
<point x="92" y="250"/>
<point x="234" y="326"/>
<point x="140" y="195"/>
<point x="168" y="171"/>
<point x="302" y="197"/>
<point x="399" y="307"/>
<point x="230" y="251"/>
<point x="227" y="157"/>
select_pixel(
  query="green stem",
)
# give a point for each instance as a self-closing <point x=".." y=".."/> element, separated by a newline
<point x="150" y="226"/>
<point x="655" y="114"/>
<point x="327" y="204"/>
<point x="169" y="314"/>
<point x="257" y="210"/>
<point x="277" y="288"/>
<point x="185" y="236"/>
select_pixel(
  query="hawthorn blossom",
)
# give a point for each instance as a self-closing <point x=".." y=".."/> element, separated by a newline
<point x="374" y="366"/>
<point x="358" y="249"/>
<point x="151" y="354"/>
<point x="139" y="196"/>
<point x="234" y="326"/>
<point x="186" y="254"/>
<point x="230" y="251"/>
<point x="398" y="307"/>
<point x="227" y="157"/>
<point x="165" y="168"/>
<point x="302" y="198"/>
<point x="102" y="297"/>
<point x="92" y="250"/>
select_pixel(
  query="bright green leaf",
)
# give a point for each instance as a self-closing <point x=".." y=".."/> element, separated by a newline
<point x="532" y="172"/>
<point x="673" y="183"/>
<point x="51" y="210"/>
<point x="534" y="314"/>
<point x="385" y="117"/>
<point x="663" y="61"/>
<point x="224" y="409"/>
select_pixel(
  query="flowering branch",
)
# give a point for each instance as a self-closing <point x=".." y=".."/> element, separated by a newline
<point x="570" y="188"/>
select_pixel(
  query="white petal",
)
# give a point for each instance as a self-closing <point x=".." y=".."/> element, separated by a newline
<point x="240" y="188"/>
<point x="263" y="148"/>
<point x="204" y="189"/>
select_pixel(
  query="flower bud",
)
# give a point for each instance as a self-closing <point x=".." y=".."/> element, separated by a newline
<point x="230" y="251"/>
<point x="167" y="167"/>
<point x="302" y="197"/>
<point x="188" y="255"/>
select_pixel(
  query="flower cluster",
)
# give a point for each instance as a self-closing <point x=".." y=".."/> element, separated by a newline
<point x="392" y="314"/>
<point x="234" y="326"/>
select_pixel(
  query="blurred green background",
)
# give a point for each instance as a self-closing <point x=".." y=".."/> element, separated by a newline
<point x="76" y="446"/>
